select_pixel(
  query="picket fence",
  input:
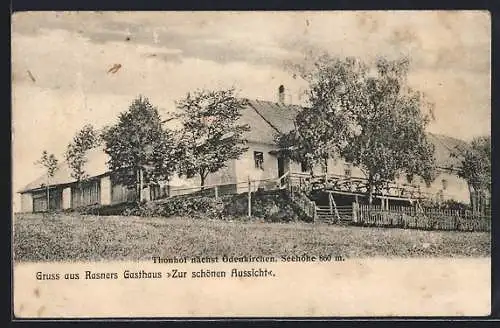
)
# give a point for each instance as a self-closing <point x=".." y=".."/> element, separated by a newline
<point x="418" y="218"/>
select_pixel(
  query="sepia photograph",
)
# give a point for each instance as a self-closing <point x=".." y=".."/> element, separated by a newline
<point x="251" y="164"/>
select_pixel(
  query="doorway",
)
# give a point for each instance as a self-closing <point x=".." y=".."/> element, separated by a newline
<point x="282" y="166"/>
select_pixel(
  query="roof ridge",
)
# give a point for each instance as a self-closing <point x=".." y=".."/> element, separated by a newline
<point x="273" y="102"/>
<point x="437" y="135"/>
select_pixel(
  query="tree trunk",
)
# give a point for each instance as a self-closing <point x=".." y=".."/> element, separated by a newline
<point x="166" y="189"/>
<point x="141" y="184"/>
<point x="203" y="176"/>
<point x="137" y="183"/>
<point x="480" y="203"/>
<point x="471" y="196"/>
<point x="81" y="194"/>
<point x="249" y="198"/>
<point x="48" y="194"/>
<point x="370" y="190"/>
<point x="202" y="181"/>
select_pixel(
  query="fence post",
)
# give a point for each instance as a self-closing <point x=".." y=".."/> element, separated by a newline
<point x="249" y="198"/>
<point x="330" y="203"/>
<point x="354" y="212"/>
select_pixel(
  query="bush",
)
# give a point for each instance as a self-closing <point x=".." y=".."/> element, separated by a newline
<point x="449" y="204"/>
<point x="198" y="207"/>
<point x="270" y="206"/>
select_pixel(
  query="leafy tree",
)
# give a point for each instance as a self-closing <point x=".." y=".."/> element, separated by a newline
<point x="322" y="128"/>
<point x="476" y="167"/>
<point x="211" y="135"/>
<point x="76" y="152"/>
<point x="302" y="146"/>
<point x="371" y="116"/>
<point x="50" y="163"/>
<point x="141" y="151"/>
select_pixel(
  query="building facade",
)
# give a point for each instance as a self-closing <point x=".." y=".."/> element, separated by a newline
<point x="261" y="163"/>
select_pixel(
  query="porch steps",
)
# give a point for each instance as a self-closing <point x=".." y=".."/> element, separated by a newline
<point x="324" y="215"/>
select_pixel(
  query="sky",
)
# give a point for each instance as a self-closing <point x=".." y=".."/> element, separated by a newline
<point x="61" y="63"/>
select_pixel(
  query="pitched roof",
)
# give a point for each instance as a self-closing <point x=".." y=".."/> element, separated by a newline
<point x="280" y="118"/>
<point x="444" y="147"/>
<point x="96" y="165"/>
<point x="267" y="118"/>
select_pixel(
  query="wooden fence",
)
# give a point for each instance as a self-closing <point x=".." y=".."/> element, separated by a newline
<point x="415" y="218"/>
<point x="249" y="187"/>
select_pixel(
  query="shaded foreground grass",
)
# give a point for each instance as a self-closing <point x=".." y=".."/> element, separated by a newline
<point x="71" y="237"/>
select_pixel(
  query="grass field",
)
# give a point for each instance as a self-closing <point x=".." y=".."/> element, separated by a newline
<point x="65" y="237"/>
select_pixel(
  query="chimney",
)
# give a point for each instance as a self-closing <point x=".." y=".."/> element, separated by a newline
<point x="281" y="94"/>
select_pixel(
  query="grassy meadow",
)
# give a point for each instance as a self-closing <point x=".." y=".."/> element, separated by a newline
<point x="73" y="237"/>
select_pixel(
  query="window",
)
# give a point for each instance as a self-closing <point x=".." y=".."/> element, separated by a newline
<point x="303" y="167"/>
<point x="258" y="158"/>
<point x="348" y="170"/>
<point x="445" y="184"/>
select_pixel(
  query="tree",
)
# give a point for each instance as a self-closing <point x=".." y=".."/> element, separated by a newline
<point x="141" y="151"/>
<point x="476" y="168"/>
<point x="372" y="118"/>
<point x="211" y="135"/>
<point x="49" y="162"/>
<point x="322" y="128"/>
<point x="76" y="152"/>
<point x="304" y="146"/>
